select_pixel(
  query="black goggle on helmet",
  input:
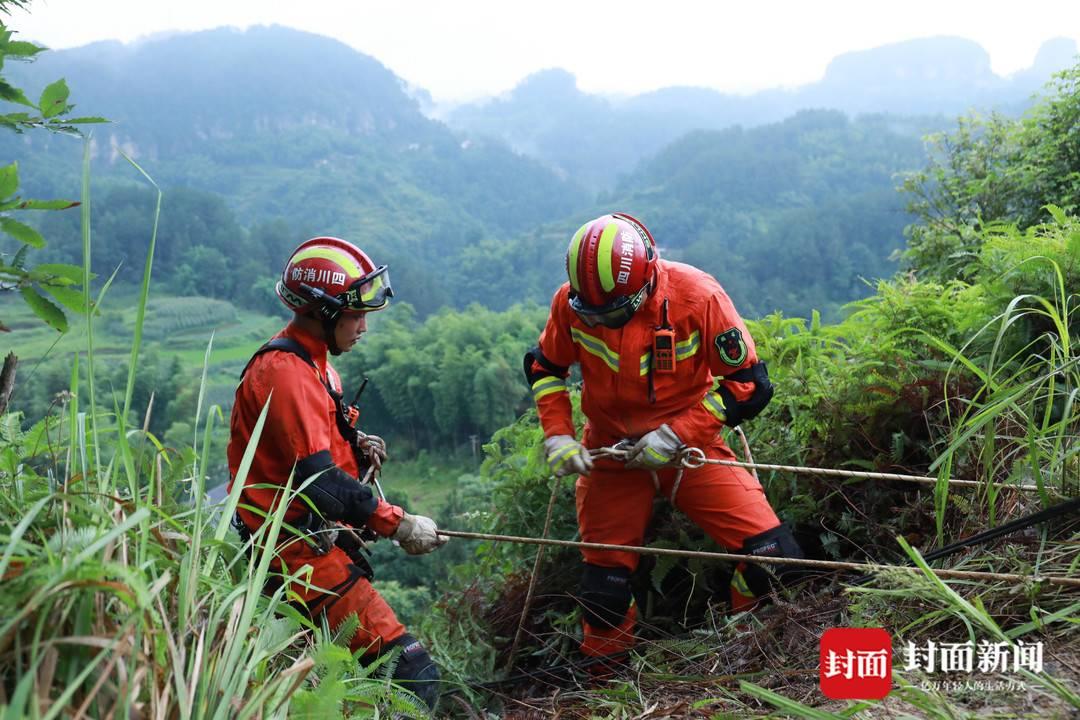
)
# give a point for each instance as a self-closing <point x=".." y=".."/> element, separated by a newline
<point x="614" y="314"/>
<point x="366" y="294"/>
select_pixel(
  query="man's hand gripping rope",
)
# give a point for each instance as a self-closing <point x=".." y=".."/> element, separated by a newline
<point x="655" y="450"/>
<point x="373" y="449"/>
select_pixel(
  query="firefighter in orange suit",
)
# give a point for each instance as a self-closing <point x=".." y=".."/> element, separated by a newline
<point x="666" y="362"/>
<point x="310" y="433"/>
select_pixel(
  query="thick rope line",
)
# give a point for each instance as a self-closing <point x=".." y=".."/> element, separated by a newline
<point x="1020" y="523"/>
<point x="767" y="560"/>
<point x="692" y="458"/>
<point x="829" y="472"/>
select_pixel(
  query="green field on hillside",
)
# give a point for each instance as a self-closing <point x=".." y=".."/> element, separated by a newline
<point x="182" y="327"/>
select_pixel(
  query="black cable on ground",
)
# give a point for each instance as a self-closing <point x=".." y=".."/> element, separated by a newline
<point x="1020" y="523"/>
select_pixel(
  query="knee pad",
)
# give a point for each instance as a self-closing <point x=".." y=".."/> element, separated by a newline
<point x="605" y="595"/>
<point x="777" y="542"/>
<point x="415" y="670"/>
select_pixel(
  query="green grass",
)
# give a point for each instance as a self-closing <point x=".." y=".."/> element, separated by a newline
<point x="426" y="485"/>
<point x="124" y="596"/>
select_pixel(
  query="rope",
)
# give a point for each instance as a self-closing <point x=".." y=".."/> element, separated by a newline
<point x="692" y="458"/>
<point x="768" y="560"/>
<point x="532" y="580"/>
<point x="746" y="450"/>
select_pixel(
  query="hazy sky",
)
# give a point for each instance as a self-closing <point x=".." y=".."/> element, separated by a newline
<point x="460" y="49"/>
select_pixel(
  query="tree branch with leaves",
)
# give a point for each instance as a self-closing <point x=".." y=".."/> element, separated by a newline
<point x="47" y="287"/>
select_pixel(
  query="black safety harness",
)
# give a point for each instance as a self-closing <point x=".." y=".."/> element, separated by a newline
<point x="345" y="419"/>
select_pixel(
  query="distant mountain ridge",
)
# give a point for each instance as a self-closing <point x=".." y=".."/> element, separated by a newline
<point x="261" y="80"/>
<point x="264" y="136"/>
<point x="201" y="105"/>
<point x="593" y="139"/>
<point x="288" y="125"/>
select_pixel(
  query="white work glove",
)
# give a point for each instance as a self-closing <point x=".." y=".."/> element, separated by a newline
<point x="656" y="449"/>
<point x="373" y="448"/>
<point x="416" y="534"/>
<point x="566" y="456"/>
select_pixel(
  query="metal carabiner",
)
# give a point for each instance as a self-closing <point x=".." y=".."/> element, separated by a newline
<point x="692" y="458"/>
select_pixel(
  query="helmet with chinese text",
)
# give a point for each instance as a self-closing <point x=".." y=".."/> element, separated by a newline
<point x="610" y="262"/>
<point x="329" y="276"/>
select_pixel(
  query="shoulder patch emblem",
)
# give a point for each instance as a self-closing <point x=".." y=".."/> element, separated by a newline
<point x="731" y="347"/>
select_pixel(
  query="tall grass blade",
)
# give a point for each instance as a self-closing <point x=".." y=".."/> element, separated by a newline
<point x="87" y="308"/>
<point x="225" y="519"/>
<point x="202" y="396"/>
<point x="144" y="292"/>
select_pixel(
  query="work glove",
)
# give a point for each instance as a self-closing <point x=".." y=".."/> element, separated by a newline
<point x="656" y="449"/>
<point x="373" y="448"/>
<point x="416" y="534"/>
<point x="566" y="456"/>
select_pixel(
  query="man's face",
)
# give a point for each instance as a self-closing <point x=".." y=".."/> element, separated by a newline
<point x="348" y="330"/>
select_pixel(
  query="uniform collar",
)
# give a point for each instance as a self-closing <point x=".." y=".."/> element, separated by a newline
<point x="315" y="346"/>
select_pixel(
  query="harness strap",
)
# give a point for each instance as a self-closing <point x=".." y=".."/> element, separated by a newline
<point x="345" y="427"/>
<point x="288" y="345"/>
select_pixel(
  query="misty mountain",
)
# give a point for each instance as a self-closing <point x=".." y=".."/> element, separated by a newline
<point x="285" y="124"/>
<point x="267" y="136"/>
<point x="171" y="94"/>
<point x="594" y="139"/>
<point x="796" y="215"/>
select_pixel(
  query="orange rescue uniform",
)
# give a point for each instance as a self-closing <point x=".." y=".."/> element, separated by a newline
<point x="300" y="422"/>
<point x="614" y="504"/>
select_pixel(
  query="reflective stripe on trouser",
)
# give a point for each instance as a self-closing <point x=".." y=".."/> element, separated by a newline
<point x="742" y="597"/>
<point x="354" y="594"/>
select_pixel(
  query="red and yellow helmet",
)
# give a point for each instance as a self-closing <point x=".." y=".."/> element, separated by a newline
<point x="611" y="262"/>
<point x="333" y="276"/>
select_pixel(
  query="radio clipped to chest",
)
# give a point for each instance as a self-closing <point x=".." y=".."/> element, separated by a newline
<point x="662" y="361"/>
<point x="663" y="345"/>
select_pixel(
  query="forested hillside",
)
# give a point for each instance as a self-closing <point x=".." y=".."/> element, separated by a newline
<point x="270" y="134"/>
<point x="278" y="132"/>
<point x="793" y="216"/>
<point x="127" y="594"/>
<point x="964" y="365"/>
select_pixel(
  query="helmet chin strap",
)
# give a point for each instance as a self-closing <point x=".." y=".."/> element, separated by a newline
<point x="329" y="326"/>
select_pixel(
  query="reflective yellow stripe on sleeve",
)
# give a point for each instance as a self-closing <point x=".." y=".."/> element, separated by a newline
<point x="547" y="385"/>
<point x="715" y="404"/>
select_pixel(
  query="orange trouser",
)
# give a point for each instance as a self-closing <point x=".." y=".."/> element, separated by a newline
<point x="343" y="592"/>
<point x="614" y="506"/>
